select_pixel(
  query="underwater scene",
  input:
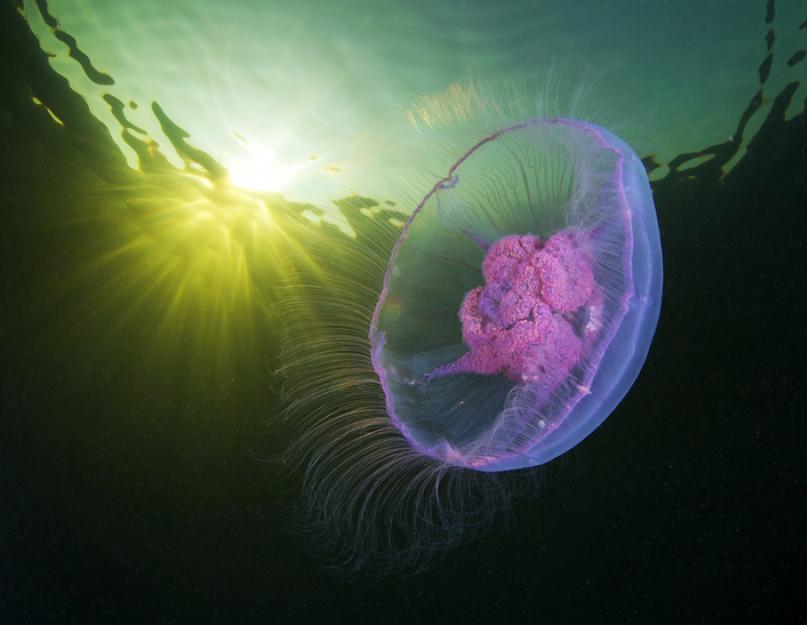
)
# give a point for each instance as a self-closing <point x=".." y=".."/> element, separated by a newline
<point x="371" y="311"/>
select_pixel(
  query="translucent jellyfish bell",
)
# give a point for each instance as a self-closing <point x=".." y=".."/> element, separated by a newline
<point x="521" y="298"/>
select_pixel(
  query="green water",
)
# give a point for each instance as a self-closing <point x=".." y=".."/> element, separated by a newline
<point x="264" y="87"/>
<point x="201" y="183"/>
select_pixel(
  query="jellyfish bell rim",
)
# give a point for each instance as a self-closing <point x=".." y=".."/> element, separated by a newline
<point x="634" y="321"/>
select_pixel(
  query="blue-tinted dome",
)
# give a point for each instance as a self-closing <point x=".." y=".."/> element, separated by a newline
<point x="521" y="298"/>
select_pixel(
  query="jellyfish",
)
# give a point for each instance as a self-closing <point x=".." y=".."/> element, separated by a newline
<point x="521" y="298"/>
<point x="437" y="363"/>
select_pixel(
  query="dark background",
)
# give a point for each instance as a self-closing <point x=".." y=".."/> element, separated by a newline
<point x="121" y="503"/>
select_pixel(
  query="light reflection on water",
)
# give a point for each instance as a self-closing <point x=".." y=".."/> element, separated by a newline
<point x="320" y="95"/>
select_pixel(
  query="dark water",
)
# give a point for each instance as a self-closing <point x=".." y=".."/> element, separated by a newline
<point x="136" y="391"/>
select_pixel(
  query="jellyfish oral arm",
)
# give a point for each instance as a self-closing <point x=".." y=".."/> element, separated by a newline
<point x="518" y="323"/>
